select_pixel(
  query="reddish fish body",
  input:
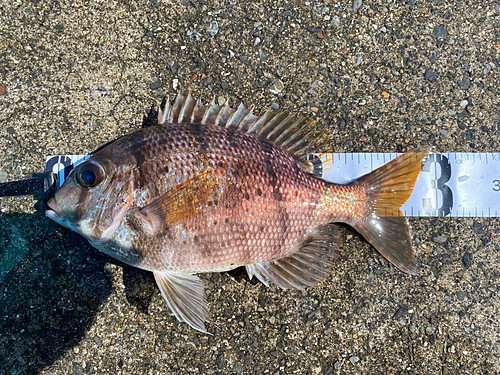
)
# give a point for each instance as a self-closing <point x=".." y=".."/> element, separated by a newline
<point x="212" y="188"/>
<point x="262" y="207"/>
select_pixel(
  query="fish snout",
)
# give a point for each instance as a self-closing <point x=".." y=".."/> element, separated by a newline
<point x="54" y="211"/>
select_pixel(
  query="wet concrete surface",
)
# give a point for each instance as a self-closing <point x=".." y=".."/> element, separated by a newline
<point x="387" y="77"/>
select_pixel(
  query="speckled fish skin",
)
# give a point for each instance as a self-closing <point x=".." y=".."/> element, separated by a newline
<point x="210" y="195"/>
<point x="263" y="206"/>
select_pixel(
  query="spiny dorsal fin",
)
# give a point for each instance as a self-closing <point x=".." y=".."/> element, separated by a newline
<point x="297" y="134"/>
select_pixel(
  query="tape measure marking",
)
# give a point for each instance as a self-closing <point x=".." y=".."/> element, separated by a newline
<point x="450" y="185"/>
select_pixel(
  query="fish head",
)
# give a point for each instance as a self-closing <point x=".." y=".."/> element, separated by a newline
<point x="94" y="198"/>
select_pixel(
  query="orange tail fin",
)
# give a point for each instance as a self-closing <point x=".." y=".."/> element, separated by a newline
<point x="385" y="228"/>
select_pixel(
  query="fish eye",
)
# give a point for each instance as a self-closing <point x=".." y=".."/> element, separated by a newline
<point x="90" y="174"/>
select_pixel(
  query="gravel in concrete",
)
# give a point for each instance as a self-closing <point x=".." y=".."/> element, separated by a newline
<point x="383" y="76"/>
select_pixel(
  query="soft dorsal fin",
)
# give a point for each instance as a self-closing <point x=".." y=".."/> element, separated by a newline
<point x="295" y="133"/>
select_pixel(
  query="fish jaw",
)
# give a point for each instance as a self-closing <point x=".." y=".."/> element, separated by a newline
<point x="57" y="214"/>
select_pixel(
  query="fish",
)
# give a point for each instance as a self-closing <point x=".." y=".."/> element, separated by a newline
<point x="212" y="188"/>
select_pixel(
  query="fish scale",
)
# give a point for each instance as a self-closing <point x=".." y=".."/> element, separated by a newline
<point x="218" y="246"/>
<point x="212" y="188"/>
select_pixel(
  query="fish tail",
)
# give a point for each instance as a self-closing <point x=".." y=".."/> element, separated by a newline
<point x="384" y="225"/>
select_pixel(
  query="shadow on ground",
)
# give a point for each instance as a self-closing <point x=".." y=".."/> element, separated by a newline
<point x="50" y="299"/>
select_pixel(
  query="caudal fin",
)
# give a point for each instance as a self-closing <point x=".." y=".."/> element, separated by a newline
<point x="389" y="188"/>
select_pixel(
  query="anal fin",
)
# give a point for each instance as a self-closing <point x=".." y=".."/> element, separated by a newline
<point x="306" y="267"/>
<point x="185" y="296"/>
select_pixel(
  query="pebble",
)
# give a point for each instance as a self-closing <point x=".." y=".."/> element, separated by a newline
<point x="356" y="5"/>
<point x="2" y="90"/>
<point x="98" y="341"/>
<point x="413" y="328"/>
<point x="326" y="370"/>
<point x="433" y="319"/>
<point x="468" y="135"/>
<point x="464" y="84"/>
<point x="443" y="132"/>
<point x="277" y="87"/>
<point x="401" y="311"/>
<point x="328" y="331"/>
<point x="439" y="31"/>
<point x="77" y="369"/>
<point x="430" y="330"/>
<point x="311" y="64"/>
<point x="275" y="106"/>
<point x="477" y="228"/>
<point x="430" y="75"/>
<point x="461" y="295"/>
<point x="354" y="359"/>
<point x="3" y="176"/>
<point x="466" y="260"/>
<point x="155" y="85"/>
<point x="243" y="58"/>
<point x="213" y="28"/>
<point x="336" y="21"/>
<point x="432" y="339"/>
<point x="440" y="239"/>
<point x="497" y="8"/>
<point x="337" y="365"/>
<point x="464" y="103"/>
<point x="262" y="55"/>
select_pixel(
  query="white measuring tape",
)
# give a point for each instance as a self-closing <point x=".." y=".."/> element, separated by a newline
<point x="451" y="184"/>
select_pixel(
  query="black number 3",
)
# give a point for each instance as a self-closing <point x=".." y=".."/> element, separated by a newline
<point x="447" y="194"/>
<point x="497" y="185"/>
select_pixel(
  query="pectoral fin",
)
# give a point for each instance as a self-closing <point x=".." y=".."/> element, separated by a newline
<point x="181" y="202"/>
<point x="185" y="296"/>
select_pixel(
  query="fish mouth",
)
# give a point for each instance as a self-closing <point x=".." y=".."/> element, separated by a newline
<point x="54" y="211"/>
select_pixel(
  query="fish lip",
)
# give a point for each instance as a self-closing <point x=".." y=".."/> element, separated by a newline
<point x="54" y="211"/>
